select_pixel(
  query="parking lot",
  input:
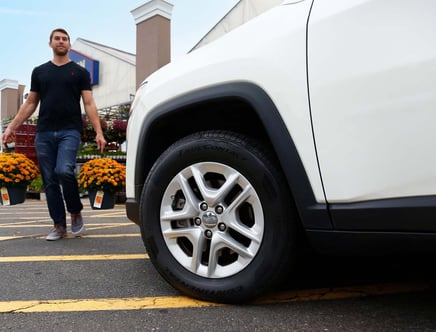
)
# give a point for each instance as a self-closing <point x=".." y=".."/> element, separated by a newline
<point x="104" y="281"/>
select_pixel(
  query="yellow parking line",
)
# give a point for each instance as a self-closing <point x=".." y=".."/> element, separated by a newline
<point x="109" y="235"/>
<point x="51" y="224"/>
<point x="102" y="214"/>
<point x="37" y="215"/>
<point x="19" y="259"/>
<point x="96" y="236"/>
<point x="25" y="226"/>
<point x="102" y="226"/>
<point x="8" y="238"/>
<point x="29" y="222"/>
<point x="26" y="210"/>
<point x="102" y="304"/>
<point x="170" y="302"/>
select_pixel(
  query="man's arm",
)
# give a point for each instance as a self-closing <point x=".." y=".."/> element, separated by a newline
<point x="91" y="111"/>
<point x="25" y="111"/>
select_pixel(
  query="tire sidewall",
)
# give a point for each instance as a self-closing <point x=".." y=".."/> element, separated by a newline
<point x="247" y="160"/>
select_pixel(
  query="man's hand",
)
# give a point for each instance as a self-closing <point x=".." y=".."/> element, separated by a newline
<point x="101" y="143"/>
<point x="7" y="136"/>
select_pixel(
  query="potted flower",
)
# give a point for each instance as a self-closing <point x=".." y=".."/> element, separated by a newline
<point x="102" y="178"/>
<point x="16" y="173"/>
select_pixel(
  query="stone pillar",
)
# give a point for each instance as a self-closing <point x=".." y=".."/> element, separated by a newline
<point x="153" y="37"/>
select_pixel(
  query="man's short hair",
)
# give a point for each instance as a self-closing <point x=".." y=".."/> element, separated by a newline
<point x="59" y="30"/>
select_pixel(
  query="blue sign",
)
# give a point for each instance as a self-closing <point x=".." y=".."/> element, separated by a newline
<point x="86" y="62"/>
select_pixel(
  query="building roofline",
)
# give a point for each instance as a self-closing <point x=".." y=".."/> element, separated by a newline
<point x="106" y="49"/>
<point x="217" y="23"/>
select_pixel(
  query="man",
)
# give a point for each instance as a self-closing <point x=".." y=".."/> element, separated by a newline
<point x="58" y="85"/>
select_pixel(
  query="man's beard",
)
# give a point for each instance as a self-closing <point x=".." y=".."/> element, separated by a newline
<point x="61" y="52"/>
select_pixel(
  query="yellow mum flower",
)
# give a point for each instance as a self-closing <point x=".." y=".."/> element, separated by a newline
<point x="16" y="170"/>
<point x="99" y="174"/>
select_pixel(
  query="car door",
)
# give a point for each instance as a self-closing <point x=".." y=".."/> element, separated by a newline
<point x="372" y="84"/>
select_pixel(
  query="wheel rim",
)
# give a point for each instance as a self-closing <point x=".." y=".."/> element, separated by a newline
<point x="212" y="220"/>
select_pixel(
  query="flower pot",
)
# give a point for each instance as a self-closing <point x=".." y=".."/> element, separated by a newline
<point x="100" y="200"/>
<point x="102" y="174"/>
<point x="12" y="195"/>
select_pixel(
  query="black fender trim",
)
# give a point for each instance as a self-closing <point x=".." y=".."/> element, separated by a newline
<point x="403" y="214"/>
<point x="312" y="214"/>
<point x="353" y="243"/>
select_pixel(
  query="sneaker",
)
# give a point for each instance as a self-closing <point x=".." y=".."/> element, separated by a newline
<point x="77" y="226"/>
<point x="57" y="233"/>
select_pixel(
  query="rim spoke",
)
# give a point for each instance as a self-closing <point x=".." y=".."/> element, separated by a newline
<point x="231" y="219"/>
<point x="211" y="195"/>
<point x="197" y="254"/>
<point x="190" y="208"/>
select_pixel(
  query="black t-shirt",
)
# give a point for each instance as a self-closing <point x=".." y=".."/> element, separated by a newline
<point x="59" y="89"/>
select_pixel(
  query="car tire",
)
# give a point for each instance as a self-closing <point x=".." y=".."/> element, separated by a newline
<point x="217" y="219"/>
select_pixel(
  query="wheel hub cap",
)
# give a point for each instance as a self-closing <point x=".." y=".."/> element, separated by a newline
<point x="210" y="219"/>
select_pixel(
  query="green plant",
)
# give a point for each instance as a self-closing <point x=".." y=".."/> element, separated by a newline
<point x="36" y="185"/>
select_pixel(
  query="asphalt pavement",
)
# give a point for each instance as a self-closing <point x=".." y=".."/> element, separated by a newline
<point x="104" y="281"/>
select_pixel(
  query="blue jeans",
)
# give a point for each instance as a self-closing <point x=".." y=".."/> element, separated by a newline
<point x="57" y="153"/>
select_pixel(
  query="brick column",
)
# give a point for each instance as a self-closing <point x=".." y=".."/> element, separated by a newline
<point x="153" y="37"/>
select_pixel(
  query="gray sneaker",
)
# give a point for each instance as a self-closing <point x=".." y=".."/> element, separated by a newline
<point x="57" y="233"/>
<point x="77" y="226"/>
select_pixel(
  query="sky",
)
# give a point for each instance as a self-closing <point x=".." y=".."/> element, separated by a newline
<point x="25" y="27"/>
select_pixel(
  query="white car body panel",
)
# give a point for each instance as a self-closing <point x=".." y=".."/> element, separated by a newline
<point x="227" y="60"/>
<point x="372" y="71"/>
<point x="354" y="48"/>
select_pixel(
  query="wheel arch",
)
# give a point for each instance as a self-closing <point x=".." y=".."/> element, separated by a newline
<point x="240" y="107"/>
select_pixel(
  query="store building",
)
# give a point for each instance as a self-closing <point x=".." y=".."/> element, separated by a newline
<point x="112" y="74"/>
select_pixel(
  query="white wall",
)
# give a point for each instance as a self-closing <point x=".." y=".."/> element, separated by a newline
<point x="242" y="12"/>
<point x="116" y="73"/>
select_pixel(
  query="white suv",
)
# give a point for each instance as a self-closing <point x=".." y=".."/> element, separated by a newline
<point x="311" y="125"/>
